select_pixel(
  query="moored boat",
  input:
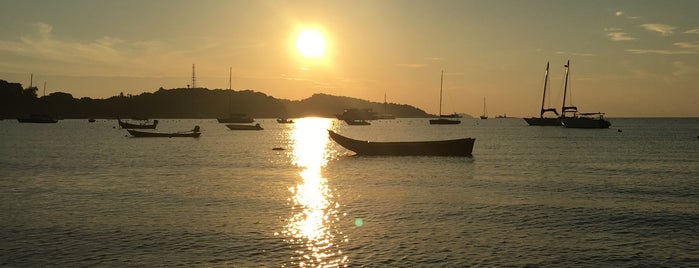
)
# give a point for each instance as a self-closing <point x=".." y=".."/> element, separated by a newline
<point x="144" y="125"/>
<point x="236" y="118"/>
<point x="194" y="133"/>
<point x="244" y="127"/>
<point x="444" y="119"/>
<point x="357" y="122"/>
<point x="37" y="118"/>
<point x="457" y="147"/>
<point x="586" y="120"/>
<point x="357" y="114"/>
<point x="485" y="110"/>
<point x="578" y="119"/>
<point x="233" y="118"/>
<point x="284" y="121"/>
<point x="542" y="120"/>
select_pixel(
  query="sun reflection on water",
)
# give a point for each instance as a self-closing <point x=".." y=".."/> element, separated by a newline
<point x="312" y="229"/>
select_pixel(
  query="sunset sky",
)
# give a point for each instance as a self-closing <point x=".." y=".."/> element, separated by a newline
<point x="628" y="58"/>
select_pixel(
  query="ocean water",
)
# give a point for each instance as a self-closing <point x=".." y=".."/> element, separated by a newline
<point x="77" y="194"/>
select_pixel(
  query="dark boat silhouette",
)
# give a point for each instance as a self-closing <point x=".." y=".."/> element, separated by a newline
<point x="580" y="120"/>
<point x="284" y="121"/>
<point x="194" y="133"/>
<point x="541" y="120"/>
<point x="244" y="127"/>
<point x="444" y="119"/>
<point x="357" y="122"/>
<point x="144" y="125"/>
<point x="37" y="118"/>
<point x="457" y="147"/>
<point x="233" y="118"/>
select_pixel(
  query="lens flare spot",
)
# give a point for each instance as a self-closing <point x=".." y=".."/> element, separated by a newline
<point x="358" y="222"/>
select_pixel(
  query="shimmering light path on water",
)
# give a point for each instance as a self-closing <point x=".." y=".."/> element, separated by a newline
<point x="312" y="230"/>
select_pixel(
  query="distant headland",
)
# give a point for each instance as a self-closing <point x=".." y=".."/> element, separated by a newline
<point x="16" y="101"/>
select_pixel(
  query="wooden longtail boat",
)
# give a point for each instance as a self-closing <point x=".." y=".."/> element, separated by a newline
<point x="145" y="125"/>
<point x="244" y="127"/>
<point x="194" y="133"/>
<point x="458" y="147"/>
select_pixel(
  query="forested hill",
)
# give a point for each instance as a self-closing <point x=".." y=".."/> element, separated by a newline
<point x="16" y="101"/>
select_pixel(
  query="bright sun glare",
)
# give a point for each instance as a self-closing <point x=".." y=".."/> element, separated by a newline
<point x="311" y="43"/>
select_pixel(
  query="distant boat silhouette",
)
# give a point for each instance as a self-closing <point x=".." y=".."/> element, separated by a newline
<point x="357" y="122"/>
<point x="37" y="118"/>
<point x="357" y="114"/>
<point x="236" y="118"/>
<point x="244" y="127"/>
<point x="385" y="114"/>
<point x="443" y="120"/>
<point x="144" y="125"/>
<point x="233" y="117"/>
<point x="541" y="120"/>
<point x="580" y="120"/>
<point x="284" y="121"/>
<point x="194" y="133"/>
<point x="485" y="110"/>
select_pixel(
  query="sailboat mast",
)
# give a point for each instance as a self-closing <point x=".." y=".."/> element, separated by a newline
<point x="230" y="74"/>
<point x="546" y="80"/>
<point x="565" y="90"/>
<point x="385" y="104"/>
<point x="441" y="82"/>
<point x="485" y="108"/>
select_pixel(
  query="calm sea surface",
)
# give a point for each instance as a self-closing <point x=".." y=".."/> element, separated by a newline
<point x="84" y="194"/>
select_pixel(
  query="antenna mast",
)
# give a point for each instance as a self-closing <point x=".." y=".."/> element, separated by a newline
<point x="441" y="82"/>
<point x="194" y="78"/>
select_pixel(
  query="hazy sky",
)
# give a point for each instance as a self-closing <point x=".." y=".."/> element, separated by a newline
<point x="628" y="58"/>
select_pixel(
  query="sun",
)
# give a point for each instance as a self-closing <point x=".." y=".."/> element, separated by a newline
<point x="311" y="43"/>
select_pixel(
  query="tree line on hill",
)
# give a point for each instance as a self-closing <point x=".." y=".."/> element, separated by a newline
<point x="16" y="101"/>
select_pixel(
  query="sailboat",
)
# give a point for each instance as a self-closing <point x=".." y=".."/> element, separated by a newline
<point x="385" y="114"/>
<point x="485" y="110"/>
<point x="442" y="120"/>
<point x="541" y="120"/>
<point x="39" y="117"/>
<point x="232" y="117"/>
<point x="580" y="120"/>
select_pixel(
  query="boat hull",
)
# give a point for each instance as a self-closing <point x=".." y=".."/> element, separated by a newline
<point x="244" y="127"/>
<point x="284" y="121"/>
<point x="143" y="134"/>
<point x="37" y="118"/>
<point x="128" y="125"/>
<point x="444" y="121"/>
<point x="244" y="120"/>
<point x="357" y="122"/>
<point x="583" y="122"/>
<point x="543" y="121"/>
<point x="458" y="147"/>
